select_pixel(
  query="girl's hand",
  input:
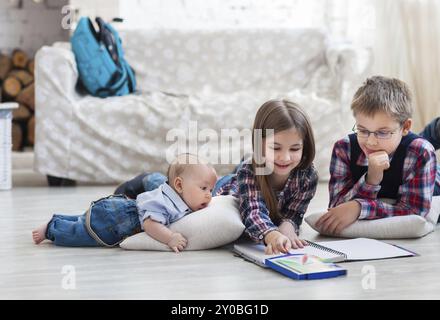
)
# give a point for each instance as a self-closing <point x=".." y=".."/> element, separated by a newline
<point x="276" y="242"/>
<point x="288" y="230"/>
<point x="177" y="242"/>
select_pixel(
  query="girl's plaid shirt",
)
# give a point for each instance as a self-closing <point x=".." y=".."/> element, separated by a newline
<point x="293" y="200"/>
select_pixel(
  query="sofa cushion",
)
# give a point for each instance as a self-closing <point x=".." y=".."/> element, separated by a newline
<point x="212" y="227"/>
<point x="226" y="60"/>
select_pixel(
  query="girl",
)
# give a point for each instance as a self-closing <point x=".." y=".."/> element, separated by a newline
<point x="275" y="190"/>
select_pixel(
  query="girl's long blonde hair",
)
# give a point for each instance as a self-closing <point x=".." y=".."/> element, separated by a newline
<point x="281" y="115"/>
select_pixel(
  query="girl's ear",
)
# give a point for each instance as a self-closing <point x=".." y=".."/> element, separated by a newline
<point x="177" y="183"/>
<point x="406" y="126"/>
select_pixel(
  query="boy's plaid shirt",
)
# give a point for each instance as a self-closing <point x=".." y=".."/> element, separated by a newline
<point x="293" y="200"/>
<point x="415" y="192"/>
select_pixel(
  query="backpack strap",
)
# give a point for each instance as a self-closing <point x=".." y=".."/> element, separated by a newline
<point x="122" y="61"/>
<point x="111" y="38"/>
<point x="104" y="92"/>
<point x="131" y="76"/>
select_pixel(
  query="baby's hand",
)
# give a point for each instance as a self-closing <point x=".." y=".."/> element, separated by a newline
<point x="177" y="242"/>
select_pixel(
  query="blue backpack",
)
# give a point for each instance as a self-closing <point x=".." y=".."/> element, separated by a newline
<point x="100" y="60"/>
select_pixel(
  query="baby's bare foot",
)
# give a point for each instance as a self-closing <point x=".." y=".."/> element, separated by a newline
<point x="39" y="234"/>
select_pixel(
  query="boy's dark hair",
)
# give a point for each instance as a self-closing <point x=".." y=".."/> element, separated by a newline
<point x="389" y="95"/>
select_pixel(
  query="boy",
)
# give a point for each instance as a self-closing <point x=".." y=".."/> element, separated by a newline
<point x="381" y="159"/>
<point x="109" y="220"/>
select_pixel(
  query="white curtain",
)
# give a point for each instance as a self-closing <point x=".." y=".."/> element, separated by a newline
<point x="407" y="46"/>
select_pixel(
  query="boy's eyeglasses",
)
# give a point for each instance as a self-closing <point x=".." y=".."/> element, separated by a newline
<point x="380" y="134"/>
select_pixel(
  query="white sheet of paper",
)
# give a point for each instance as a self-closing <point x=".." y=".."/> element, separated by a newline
<point x="366" y="249"/>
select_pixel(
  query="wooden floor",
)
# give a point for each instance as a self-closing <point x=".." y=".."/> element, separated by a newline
<point x="28" y="271"/>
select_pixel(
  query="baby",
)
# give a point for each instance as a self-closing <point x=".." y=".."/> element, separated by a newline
<point x="110" y="220"/>
<point x="189" y="187"/>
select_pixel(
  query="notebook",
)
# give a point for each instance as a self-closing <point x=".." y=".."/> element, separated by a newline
<point x="358" y="249"/>
<point x="303" y="267"/>
<point x="255" y="253"/>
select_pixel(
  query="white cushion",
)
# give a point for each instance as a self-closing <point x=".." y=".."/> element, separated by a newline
<point x="411" y="226"/>
<point x="229" y="60"/>
<point x="214" y="226"/>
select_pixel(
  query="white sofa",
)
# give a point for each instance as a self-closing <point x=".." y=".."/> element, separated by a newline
<point x="218" y="78"/>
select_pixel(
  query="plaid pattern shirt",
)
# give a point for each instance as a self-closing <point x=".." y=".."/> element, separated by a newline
<point x="414" y="194"/>
<point x="293" y="200"/>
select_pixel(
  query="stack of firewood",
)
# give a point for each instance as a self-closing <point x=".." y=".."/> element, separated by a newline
<point x="17" y="84"/>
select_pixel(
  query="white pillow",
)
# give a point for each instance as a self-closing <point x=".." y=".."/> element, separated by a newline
<point x="214" y="226"/>
<point x="411" y="226"/>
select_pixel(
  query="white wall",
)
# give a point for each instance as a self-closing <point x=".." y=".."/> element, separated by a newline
<point x="221" y="13"/>
<point x="106" y="9"/>
<point x="207" y="13"/>
<point x="38" y="24"/>
<point x="31" y="26"/>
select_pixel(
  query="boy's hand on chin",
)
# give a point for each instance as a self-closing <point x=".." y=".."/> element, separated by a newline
<point x="377" y="163"/>
<point x="338" y="218"/>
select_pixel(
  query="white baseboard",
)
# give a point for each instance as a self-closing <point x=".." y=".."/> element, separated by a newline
<point x="23" y="173"/>
<point x="22" y="160"/>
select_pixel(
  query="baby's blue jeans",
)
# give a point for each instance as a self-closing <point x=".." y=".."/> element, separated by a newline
<point x="112" y="219"/>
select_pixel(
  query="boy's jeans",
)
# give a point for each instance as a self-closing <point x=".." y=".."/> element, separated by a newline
<point x="141" y="183"/>
<point x="437" y="182"/>
<point x="432" y="134"/>
<point x="150" y="181"/>
<point x="112" y="218"/>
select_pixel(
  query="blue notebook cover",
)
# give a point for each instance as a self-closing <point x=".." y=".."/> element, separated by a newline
<point x="303" y="267"/>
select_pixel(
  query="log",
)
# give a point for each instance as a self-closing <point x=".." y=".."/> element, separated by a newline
<point x="27" y="96"/>
<point x="31" y="131"/>
<point x="31" y="66"/>
<point x="11" y="87"/>
<point x="5" y="66"/>
<point x="21" y="113"/>
<point x="25" y="77"/>
<point x="17" y="137"/>
<point x="19" y="59"/>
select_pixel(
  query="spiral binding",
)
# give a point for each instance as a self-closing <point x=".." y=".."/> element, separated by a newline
<point x="318" y="246"/>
